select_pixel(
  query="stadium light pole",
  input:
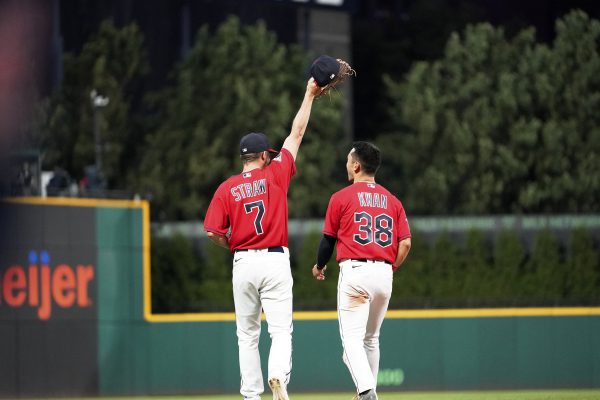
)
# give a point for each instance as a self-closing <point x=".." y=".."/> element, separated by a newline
<point x="98" y="102"/>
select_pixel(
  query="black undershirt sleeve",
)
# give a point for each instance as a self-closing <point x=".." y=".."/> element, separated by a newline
<point x="326" y="248"/>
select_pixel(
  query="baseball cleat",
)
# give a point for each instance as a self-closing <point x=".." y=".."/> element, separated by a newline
<point x="370" y="395"/>
<point x="279" y="392"/>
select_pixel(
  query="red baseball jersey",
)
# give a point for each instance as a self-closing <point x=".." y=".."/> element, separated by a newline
<point x="367" y="221"/>
<point x="253" y="205"/>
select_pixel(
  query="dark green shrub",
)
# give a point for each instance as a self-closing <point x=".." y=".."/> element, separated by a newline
<point x="478" y="278"/>
<point x="175" y="274"/>
<point x="509" y="256"/>
<point x="410" y="288"/>
<point x="216" y="291"/>
<point x="450" y="272"/>
<point x="309" y="293"/>
<point x="583" y="276"/>
<point x="446" y="271"/>
<point x="544" y="275"/>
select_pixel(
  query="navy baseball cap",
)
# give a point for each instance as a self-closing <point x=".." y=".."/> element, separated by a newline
<point x="255" y="142"/>
<point x="324" y="69"/>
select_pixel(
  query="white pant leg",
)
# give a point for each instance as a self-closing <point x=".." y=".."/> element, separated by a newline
<point x="277" y="298"/>
<point x="380" y="298"/>
<point x="247" y="317"/>
<point x="353" y="314"/>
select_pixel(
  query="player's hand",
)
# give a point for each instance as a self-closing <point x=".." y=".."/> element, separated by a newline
<point x="319" y="274"/>
<point x="313" y="89"/>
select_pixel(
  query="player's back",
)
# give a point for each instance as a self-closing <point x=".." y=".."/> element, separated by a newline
<point x="254" y="205"/>
<point x="258" y="210"/>
<point x="371" y="222"/>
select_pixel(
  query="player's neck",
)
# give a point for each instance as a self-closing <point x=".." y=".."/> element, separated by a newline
<point x="364" y="178"/>
<point x="252" y="165"/>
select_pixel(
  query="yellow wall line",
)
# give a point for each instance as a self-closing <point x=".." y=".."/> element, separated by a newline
<point x="147" y="299"/>
<point x="401" y="314"/>
<point x="76" y="202"/>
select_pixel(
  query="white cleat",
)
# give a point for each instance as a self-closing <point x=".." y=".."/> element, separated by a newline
<point x="279" y="392"/>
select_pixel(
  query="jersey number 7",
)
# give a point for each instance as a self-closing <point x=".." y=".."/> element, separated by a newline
<point x="259" y="215"/>
<point x="381" y="232"/>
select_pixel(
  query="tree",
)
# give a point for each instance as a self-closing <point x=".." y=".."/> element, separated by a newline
<point x="407" y="31"/>
<point x="321" y="160"/>
<point x="235" y="81"/>
<point x="500" y="125"/>
<point x="113" y="62"/>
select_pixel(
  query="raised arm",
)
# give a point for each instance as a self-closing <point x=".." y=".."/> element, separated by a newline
<point x="292" y="142"/>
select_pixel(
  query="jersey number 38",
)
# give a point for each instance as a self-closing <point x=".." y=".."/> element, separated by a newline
<point x="373" y="229"/>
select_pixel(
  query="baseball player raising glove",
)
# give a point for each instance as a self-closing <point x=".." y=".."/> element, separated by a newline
<point x="248" y="215"/>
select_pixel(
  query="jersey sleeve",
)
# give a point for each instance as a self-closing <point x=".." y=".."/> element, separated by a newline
<point x="283" y="167"/>
<point x="217" y="218"/>
<point x="332" y="217"/>
<point x="402" y="223"/>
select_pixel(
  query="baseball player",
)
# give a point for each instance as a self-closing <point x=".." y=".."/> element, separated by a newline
<point x="373" y="239"/>
<point x="249" y="215"/>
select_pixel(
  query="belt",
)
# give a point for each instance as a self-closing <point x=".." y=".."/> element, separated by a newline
<point x="368" y="260"/>
<point x="276" y="249"/>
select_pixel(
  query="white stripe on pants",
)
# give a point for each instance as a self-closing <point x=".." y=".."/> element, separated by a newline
<point x="364" y="291"/>
<point x="263" y="280"/>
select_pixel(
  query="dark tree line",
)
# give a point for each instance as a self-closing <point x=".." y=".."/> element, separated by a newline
<point x="500" y="125"/>
<point x="496" y="125"/>
<point x="474" y="272"/>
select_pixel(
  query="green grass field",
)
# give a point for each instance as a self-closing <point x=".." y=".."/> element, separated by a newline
<point x="491" y="395"/>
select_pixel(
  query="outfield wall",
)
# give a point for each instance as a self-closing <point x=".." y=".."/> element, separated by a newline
<point x="76" y="320"/>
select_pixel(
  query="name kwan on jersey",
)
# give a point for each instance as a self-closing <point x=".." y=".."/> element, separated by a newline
<point x="368" y="199"/>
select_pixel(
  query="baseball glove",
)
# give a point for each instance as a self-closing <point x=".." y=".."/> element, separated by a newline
<point x="329" y="72"/>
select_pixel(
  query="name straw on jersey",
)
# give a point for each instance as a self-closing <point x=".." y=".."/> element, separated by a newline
<point x="367" y="221"/>
<point x="254" y="205"/>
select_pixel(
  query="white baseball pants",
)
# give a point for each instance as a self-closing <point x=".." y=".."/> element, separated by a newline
<point x="364" y="291"/>
<point x="262" y="280"/>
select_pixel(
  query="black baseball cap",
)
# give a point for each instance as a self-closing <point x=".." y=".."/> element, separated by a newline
<point x="324" y="69"/>
<point x="255" y="142"/>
